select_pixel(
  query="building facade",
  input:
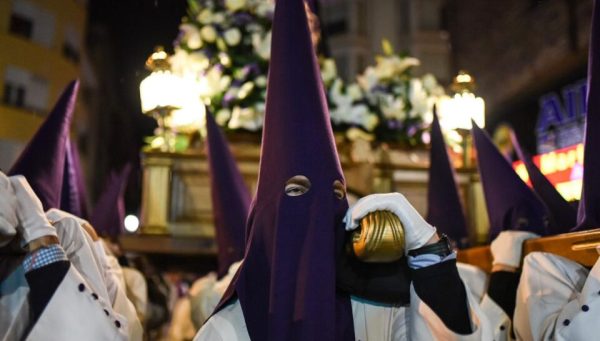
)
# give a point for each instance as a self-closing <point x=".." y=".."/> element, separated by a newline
<point x="354" y="30"/>
<point x="41" y="43"/>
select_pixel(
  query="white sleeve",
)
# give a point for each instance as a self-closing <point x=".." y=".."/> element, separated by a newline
<point x="80" y="253"/>
<point x="200" y="305"/>
<point x="136" y="289"/>
<point x="500" y="323"/>
<point x="226" y="325"/>
<point x="475" y="279"/>
<point x="424" y="324"/>
<point x="74" y="314"/>
<point x="557" y="299"/>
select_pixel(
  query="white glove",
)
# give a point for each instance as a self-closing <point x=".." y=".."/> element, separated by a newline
<point x="8" y="211"/>
<point x="417" y="232"/>
<point x="33" y="222"/>
<point x="508" y="247"/>
<point x="55" y="214"/>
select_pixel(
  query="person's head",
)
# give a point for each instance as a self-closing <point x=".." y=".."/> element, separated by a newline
<point x="287" y="282"/>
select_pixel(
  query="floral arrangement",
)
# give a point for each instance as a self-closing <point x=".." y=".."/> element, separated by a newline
<point x="224" y="45"/>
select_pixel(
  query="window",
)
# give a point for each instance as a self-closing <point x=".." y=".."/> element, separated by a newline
<point x="21" y="25"/>
<point x="20" y="98"/>
<point x="30" y="20"/>
<point x="14" y="95"/>
<point x="8" y="88"/>
<point x="70" y="53"/>
<point x="25" y="90"/>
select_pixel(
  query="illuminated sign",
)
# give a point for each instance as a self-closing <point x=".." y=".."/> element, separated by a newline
<point x="563" y="167"/>
<point x="560" y="120"/>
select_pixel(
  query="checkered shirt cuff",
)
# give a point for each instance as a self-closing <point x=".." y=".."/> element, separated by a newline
<point x="44" y="256"/>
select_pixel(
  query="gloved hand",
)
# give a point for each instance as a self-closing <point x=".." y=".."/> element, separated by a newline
<point x="417" y="232"/>
<point x="55" y="214"/>
<point x="33" y="222"/>
<point x="8" y="211"/>
<point x="508" y="246"/>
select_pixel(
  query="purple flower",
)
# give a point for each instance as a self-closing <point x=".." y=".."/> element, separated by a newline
<point x="412" y="130"/>
<point x="242" y="18"/>
<point x="228" y="99"/>
<point x="394" y="124"/>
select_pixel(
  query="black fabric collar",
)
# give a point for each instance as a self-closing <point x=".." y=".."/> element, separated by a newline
<point x="387" y="283"/>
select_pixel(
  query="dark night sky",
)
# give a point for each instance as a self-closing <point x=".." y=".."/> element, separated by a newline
<point x="129" y="31"/>
<point x="136" y="27"/>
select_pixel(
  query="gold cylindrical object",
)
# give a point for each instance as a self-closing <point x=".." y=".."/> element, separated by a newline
<point x="379" y="239"/>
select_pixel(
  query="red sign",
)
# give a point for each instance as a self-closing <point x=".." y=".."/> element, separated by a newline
<point x="563" y="167"/>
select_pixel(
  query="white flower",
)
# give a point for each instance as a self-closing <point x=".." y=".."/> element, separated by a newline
<point x="393" y="108"/>
<point x="224" y="59"/>
<point x="261" y="81"/>
<point x="188" y="64"/>
<point x="232" y="36"/>
<point x="205" y="17"/>
<point x="221" y="44"/>
<point x="245" y="90"/>
<point x="354" y="91"/>
<point x="218" y="18"/>
<point x="429" y="82"/>
<point x="265" y="8"/>
<point x="418" y="98"/>
<point x="370" y="122"/>
<point x="262" y="45"/>
<point x="246" y="118"/>
<point x="191" y="36"/>
<point x="212" y="83"/>
<point x="328" y="70"/>
<point x="208" y="33"/>
<point x="222" y="116"/>
<point x="232" y="92"/>
<point x="234" y="5"/>
<point x="368" y="79"/>
<point x="254" y="28"/>
<point x="389" y="66"/>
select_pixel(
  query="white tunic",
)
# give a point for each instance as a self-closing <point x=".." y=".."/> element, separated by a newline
<point x="557" y="299"/>
<point x="372" y="322"/>
<point x="477" y="281"/>
<point x="90" y="261"/>
<point x="74" y="315"/>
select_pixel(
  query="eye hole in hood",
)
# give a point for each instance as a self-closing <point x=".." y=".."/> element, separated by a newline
<point x="297" y="185"/>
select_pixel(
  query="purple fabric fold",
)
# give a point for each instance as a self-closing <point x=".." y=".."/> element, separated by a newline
<point x="73" y="197"/>
<point x="42" y="162"/>
<point x="230" y="198"/>
<point x="588" y="216"/>
<point x="108" y="217"/>
<point x="445" y="211"/>
<point x="287" y="283"/>
<point x="511" y="204"/>
<point x="562" y="215"/>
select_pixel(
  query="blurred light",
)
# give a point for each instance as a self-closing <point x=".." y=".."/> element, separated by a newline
<point x="457" y="112"/>
<point x="132" y="223"/>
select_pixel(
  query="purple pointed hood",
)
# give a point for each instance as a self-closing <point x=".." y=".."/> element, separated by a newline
<point x="287" y="283"/>
<point x="511" y="204"/>
<point x="562" y="215"/>
<point x="109" y="213"/>
<point x="230" y="198"/>
<point x="588" y="216"/>
<point x="445" y="210"/>
<point x="73" y="197"/>
<point x="43" y="160"/>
